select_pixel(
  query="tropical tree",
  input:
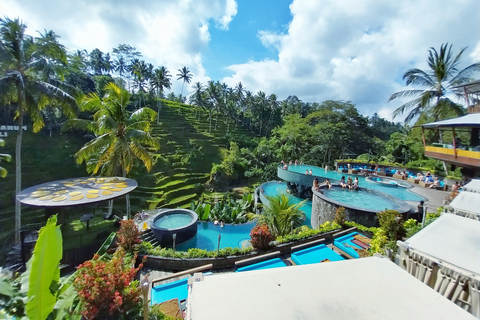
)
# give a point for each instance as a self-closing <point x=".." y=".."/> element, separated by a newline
<point x="282" y="214"/>
<point x="120" y="137"/>
<point x="159" y="81"/>
<point x="438" y="82"/>
<point x="4" y="157"/>
<point x="186" y="76"/>
<point x="25" y="82"/>
<point x="196" y="98"/>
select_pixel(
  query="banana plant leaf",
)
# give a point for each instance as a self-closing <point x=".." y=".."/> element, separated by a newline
<point x="43" y="273"/>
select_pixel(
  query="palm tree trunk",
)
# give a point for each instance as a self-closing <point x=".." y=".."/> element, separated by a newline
<point x="159" y="106"/>
<point x="181" y="95"/>
<point x="18" y="165"/>
<point x="127" y="196"/>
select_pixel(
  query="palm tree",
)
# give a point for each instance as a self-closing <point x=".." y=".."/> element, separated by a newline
<point x="196" y="98"/>
<point x="23" y="62"/>
<point x="184" y="74"/>
<point x="159" y="81"/>
<point x="282" y="214"/>
<point x="438" y="82"/>
<point x="97" y="61"/>
<point x="121" y="137"/>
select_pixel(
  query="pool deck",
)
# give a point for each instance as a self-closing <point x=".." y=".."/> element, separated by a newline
<point x="436" y="198"/>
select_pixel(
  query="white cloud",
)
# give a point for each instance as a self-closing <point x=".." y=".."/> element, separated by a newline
<point x="358" y="50"/>
<point x="169" y="33"/>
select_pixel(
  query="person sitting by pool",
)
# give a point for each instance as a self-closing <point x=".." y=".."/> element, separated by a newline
<point x="315" y="186"/>
<point x="435" y="184"/>
<point x="285" y="167"/>
<point x="342" y="182"/>
<point x="290" y="163"/>
<point x="428" y="177"/>
<point x="221" y="223"/>
<point x="349" y="182"/>
<point x="419" y="177"/>
<point x="456" y="186"/>
<point x="296" y="162"/>
<point x="328" y="183"/>
<point x="355" y="184"/>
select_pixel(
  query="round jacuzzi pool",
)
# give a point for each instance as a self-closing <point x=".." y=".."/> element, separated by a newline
<point x="180" y="224"/>
<point x="361" y="205"/>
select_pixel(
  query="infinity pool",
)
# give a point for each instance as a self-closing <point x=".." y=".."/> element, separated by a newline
<point x="359" y="198"/>
<point x="400" y="193"/>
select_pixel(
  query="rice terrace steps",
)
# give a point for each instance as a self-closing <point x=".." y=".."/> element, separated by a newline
<point x="188" y="148"/>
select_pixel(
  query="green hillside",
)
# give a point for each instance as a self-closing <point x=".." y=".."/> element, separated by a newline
<point x="184" y="162"/>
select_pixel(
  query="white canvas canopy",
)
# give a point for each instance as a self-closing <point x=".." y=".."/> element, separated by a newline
<point x="466" y="204"/>
<point x="473" y="186"/>
<point x="446" y="256"/>
<point x="470" y="120"/>
<point x="367" y="288"/>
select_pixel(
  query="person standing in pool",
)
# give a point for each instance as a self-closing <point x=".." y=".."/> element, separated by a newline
<point x="315" y="186"/>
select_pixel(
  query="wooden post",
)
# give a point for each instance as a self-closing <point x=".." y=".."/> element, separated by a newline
<point x="454" y="143"/>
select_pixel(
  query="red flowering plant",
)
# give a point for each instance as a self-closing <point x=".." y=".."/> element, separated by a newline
<point x="261" y="236"/>
<point x="128" y="236"/>
<point x="106" y="287"/>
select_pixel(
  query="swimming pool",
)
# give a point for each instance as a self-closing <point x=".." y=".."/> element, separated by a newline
<point x="232" y="235"/>
<point x="268" y="264"/>
<point x="316" y="254"/>
<point x="177" y="289"/>
<point x="272" y="188"/>
<point x="361" y="198"/>
<point x="400" y="193"/>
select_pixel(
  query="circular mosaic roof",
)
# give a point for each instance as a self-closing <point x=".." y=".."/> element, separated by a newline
<point x="76" y="191"/>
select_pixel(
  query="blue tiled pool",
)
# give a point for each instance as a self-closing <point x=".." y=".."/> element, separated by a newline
<point x="177" y="289"/>
<point x="315" y="254"/>
<point x="268" y="264"/>
<point x="345" y="242"/>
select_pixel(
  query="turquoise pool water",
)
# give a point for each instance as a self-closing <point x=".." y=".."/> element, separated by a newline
<point x="232" y="235"/>
<point x="269" y="264"/>
<point x="273" y="188"/>
<point x="400" y="193"/>
<point x="315" y="254"/>
<point x="359" y="198"/>
<point x="173" y="221"/>
<point x="177" y="289"/>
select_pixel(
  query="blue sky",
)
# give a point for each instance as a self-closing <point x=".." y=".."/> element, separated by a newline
<point x="240" y="42"/>
<point x="351" y="50"/>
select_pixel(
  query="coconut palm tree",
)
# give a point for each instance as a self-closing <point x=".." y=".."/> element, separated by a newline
<point x="282" y="214"/>
<point x="159" y="81"/>
<point x="186" y="76"/>
<point x="196" y="98"/>
<point x="438" y="81"/>
<point x="120" y="137"/>
<point x="24" y="82"/>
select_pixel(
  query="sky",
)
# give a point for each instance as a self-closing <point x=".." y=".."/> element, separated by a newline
<point x="351" y="50"/>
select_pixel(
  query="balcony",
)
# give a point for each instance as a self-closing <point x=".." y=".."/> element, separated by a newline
<point x="459" y="157"/>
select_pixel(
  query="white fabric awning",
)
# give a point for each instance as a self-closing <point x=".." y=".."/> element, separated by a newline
<point x="470" y="120"/>
<point x="367" y="288"/>
<point x="451" y="240"/>
<point x="472" y="186"/>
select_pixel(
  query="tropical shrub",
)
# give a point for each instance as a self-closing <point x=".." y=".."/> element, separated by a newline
<point x="128" y="235"/>
<point x="282" y="214"/>
<point x="107" y="287"/>
<point x="148" y="248"/>
<point x="391" y="222"/>
<point x="305" y="232"/>
<point x="228" y="210"/>
<point x="260" y="237"/>
<point x="340" y="216"/>
<point x="379" y="242"/>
